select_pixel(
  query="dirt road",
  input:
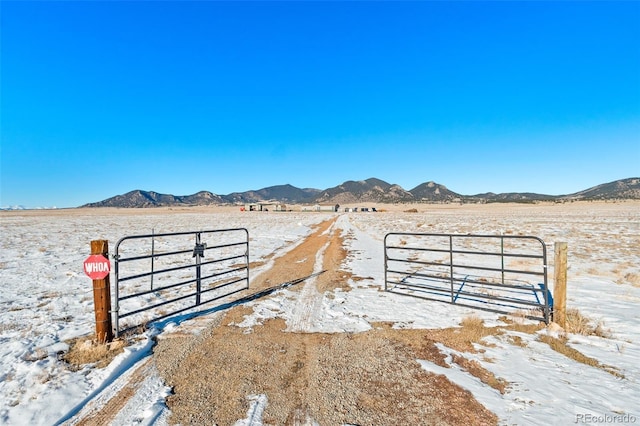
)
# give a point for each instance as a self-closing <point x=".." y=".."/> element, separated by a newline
<point x="298" y="377"/>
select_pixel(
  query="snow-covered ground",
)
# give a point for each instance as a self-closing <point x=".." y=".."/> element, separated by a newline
<point x="46" y="300"/>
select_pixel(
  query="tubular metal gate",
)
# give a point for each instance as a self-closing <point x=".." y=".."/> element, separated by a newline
<point x="170" y="273"/>
<point x="488" y="272"/>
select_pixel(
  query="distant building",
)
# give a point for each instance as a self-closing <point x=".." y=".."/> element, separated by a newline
<point x="321" y="208"/>
<point x="360" y="209"/>
<point x="264" y="207"/>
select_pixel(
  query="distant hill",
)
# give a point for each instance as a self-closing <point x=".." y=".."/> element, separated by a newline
<point x="371" y="190"/>
<point x="620" y="189"/>
<point x="140" y="198"/>
<point x="283" y="193"/>
<point x="432" y="192"/>
<point x="510" y="197"/>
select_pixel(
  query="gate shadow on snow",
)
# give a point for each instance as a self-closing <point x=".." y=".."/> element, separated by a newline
<point x="160" y="324"/>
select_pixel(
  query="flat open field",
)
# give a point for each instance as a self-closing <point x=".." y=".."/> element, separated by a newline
<point x="334" y="348"/>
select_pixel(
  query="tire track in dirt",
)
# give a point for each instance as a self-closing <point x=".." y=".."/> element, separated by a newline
<point x="309" y="300"/>
<point x="369" y="378"/>
<point x="297" y="263"/>
<point x="98" y="412"/>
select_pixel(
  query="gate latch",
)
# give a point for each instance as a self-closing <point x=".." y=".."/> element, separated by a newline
<point x="198" y="250"/>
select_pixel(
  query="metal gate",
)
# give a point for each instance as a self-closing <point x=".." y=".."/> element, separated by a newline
<point x="173" y="272"/>
<point x="498" y="273"/>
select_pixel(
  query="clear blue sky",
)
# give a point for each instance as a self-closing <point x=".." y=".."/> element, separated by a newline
<point x="100" y="98"/>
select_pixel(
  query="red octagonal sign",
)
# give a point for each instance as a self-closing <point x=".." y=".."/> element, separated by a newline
<point x="97" y="266"/>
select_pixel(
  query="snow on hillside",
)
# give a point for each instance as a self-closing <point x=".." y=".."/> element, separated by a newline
<point x="46" y="300"/>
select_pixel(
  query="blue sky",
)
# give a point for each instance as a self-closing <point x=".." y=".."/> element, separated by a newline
<point x="100" y="98"/>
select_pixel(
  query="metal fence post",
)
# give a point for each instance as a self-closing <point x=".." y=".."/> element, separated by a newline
<point x="386" y="264"/>
<point x="453" y="300"/>
<point x="247" y="257"/>
<point x="198" y="252"/>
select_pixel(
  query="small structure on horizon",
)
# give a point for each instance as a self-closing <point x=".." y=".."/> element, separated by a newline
<point x="360" y="209"/>
<point x="321" y="208"/>
<point x="264" y="207"/>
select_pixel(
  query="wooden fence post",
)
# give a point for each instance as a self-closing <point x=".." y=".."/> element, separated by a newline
<point x="560" y="285"/>
<point x="102" y="297"/>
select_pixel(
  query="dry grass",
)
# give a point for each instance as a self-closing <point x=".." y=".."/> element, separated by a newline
<point x="595" y="271"/>
<point x="462" y="339"/>
<point x="50" y="295"/>
<point x="507" y="320"/>
<point x="86" y="351"/>
<point x="475" y="369"/>
<point x="632" y="278"/>
<point x="560" y="345"/>
<point x="577" y="323"/>
<point x="516" y="341"/>
<point x="473" y="325"/>
<point x="530" y="328"/>
<point x="465" y="338"/>
<point x="471" y="331"/>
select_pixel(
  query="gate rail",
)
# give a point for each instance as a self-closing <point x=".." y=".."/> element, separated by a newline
<point x="487" y="272"/>
<point x="181" y="270"/>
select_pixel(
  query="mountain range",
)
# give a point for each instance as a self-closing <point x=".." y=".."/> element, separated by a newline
<point x="371" y="190"/>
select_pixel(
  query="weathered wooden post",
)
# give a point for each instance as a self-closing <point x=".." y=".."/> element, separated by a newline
<point x="97" y="267"/>
<point x="560" y="285"/>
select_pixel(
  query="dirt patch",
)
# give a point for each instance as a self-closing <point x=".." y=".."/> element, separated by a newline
<point x="462" y="339"/>
<point x="365" y="378"/>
